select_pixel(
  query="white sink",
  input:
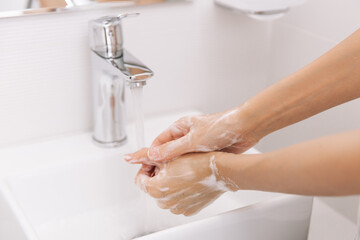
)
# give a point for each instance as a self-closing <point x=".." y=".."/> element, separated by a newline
<point x="276" y="219"/>
<point x="67" y="188"/>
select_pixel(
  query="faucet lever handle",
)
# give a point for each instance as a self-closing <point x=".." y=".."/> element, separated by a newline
<point x="106" y="38"/>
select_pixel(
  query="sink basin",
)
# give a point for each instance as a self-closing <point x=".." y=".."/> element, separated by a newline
<point x="67" y="188"/>
<point x="279" y="218"/>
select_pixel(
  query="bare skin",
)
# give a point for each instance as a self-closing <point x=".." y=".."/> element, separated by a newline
<point x="327" y="166"/>
<point x="183" y="186"/>
<point x="331" y="80"/>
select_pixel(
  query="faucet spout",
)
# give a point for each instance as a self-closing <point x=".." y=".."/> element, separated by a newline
<point x="133" y="70"/>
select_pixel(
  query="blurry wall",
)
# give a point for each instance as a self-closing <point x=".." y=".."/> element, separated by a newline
<point x="203" y="57"/>
<point x="301" y="36"/>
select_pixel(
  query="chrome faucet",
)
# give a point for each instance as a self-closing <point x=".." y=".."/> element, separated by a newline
<point x="113" y="68"/>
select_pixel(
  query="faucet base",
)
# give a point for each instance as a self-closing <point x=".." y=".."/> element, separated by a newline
<point x="113" y="144"/>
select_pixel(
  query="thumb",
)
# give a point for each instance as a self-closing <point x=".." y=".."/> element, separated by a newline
<point x="170" y="150"/>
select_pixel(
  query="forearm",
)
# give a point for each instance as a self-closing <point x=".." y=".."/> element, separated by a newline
<point x="327" y="166"/>
<point x="332" y="79"/>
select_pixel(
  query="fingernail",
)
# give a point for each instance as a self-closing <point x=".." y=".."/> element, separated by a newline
<point x="134" y="161"/>
<point x="154" y="154"/>
<point x="127" y="157"/>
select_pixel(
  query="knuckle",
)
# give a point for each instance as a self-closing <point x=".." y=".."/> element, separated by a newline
<point x="176" y="211"/>
<point x="193" y="211"/>
<point x="185" y="120"/>
<point x="163" y="205"/>
<point x="159" y="191"/>
<point x="163" y="186"/>
<point x="178" y="130"/>
<point x="156" y="192"/>
<point x="182" y="119"/>
<point x="188" y="214"/>
<point x="169" y="202"/>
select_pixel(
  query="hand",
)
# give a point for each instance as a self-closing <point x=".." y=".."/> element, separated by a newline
<point x="205" y="133"/>
<point x="185" y="185"/>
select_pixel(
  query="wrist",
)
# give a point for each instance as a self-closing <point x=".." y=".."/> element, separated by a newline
<point x="219" y="167"/>
<point x="252" y="123"/>
<point x="239" y="121"/>
<point x="241" y="171"/>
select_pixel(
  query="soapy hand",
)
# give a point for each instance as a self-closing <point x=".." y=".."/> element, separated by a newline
<point x="205" y="133"/>
<point x="185" y="185"/>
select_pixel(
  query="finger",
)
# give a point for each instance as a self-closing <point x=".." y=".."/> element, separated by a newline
<point x="139" y="157"/>
<point x="176" y="211"/>
<point x="175" y="195"/>
<point x="198" y="207"/>
<point x="148" y="180"/>
<point x="147" y="168"/>
<point x="194" y="199"/>
<point x="195" y="204"/>
<point x="162" y="205"/>
<point x="170" y="150"/>
<point x="194" y="210"/>
<point x="177" y="130"/>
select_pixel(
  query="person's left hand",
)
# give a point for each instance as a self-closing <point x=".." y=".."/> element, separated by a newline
<point x="184" y="185"/>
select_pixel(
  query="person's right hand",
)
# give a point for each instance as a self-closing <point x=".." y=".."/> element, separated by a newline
<point x="187" y="184"/>
<point x="223" y="131"/>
